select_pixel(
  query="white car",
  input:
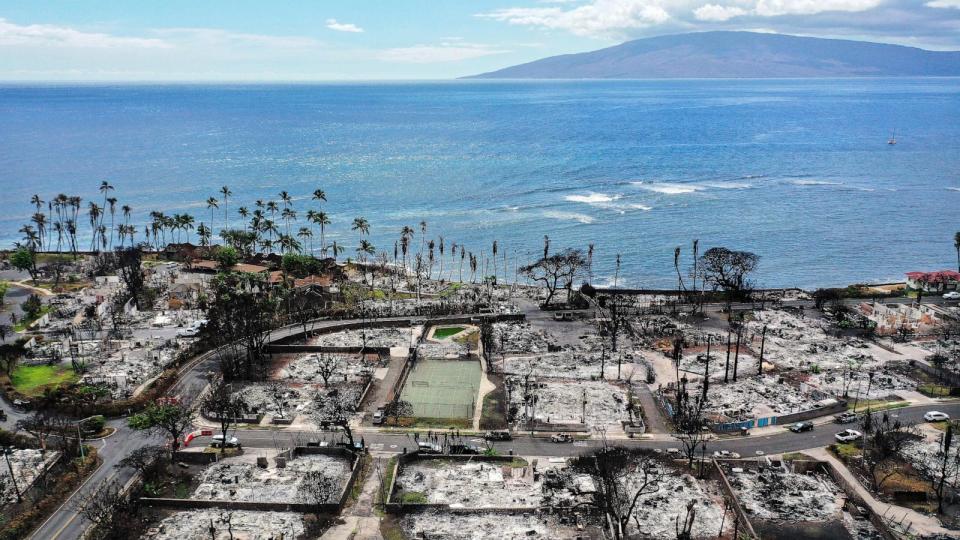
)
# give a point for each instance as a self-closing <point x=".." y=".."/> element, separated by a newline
<point x="952" y="295"/>
<point x="848" y="435"/>
<point x="217" y="441"/>
<point x="936" y="416"/>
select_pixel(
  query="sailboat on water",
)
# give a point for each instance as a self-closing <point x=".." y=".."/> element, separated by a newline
<point x="893" y="138"/>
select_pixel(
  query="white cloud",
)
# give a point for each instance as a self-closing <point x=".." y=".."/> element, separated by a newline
<point x="714" y="12"/>
<point x="444" y="52"/>
<point x="215" y="36"/>
<point x="598" y="18"/>
<point x="945" y="4"/>
<point x="49" y="35"/>
<point x="343" y="27"/>
<point x="773" y="8"/>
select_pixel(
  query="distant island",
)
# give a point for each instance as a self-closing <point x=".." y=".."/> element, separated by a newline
<point x="738" y="55"/>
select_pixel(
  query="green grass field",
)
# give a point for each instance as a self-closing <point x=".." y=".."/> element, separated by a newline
<point x="443" y="333"/>
<point x="31" y="380"/>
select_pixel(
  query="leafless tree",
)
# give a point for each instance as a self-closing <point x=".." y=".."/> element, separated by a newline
<point x="688" y="417"/>
<point x="42" y="424"/>
<point x="622" y="476"/>
<point x="277" y="391"/>
<point x="317" y="489"/>
<point x="884" y="439"/>
<point x="327" y="367"/>
<point x="556" y="271"/>
<point x="149" y="461"/>
<point x="113" y="513"/>
<point x="225" y="408"/>
<point x="335" y="406"/>
<point x="944" y="472"/>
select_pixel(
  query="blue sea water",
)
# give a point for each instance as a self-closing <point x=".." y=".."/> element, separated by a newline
<point x="798" y="171"/>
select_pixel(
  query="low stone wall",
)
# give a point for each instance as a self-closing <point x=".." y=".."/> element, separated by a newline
<point x="285" y="349"/>
<point x="744" y="521"/>
<point x="202" y="458"/>
<point x="837" y="408"/>
<point x="855" y="498"/>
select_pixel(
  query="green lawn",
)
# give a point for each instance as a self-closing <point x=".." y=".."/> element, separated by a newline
<point x="31" y="380"/>
<point x="442" y="333"/>
<point x="23" y="323"/>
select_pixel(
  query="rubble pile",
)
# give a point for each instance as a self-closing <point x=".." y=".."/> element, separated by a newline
<point x="516" y="337"/>
<point x="27" y="464"/>
<point x="566" y="402"/>
<point x="801" y="343"/>
<point x="375" y="337"/>
<point x="775" y="493"/>
<point x="124" y="370"/>
<point x="242" y="524"/>
<point x="578" y="365"/>
<point x="445" y="349"/>
<point x="440" y="525"/>
<point x="697" y="363"/>
<point x="479" y="484"/>
<point x="306" y="368"/>
<point x="757" y="396"/>
<point x="656" y="513"/>
<point x="239" y="481"/>
<point x="857" y="385"/>
<point x="297" y="399"/>
<point x="927" y="455"/>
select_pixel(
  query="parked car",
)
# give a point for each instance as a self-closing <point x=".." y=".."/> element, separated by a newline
<point x="561" y="438"/>
<point x="848" y="435"/>
<point x="726" y="454"/>
<point x="498" y="436"/>
<point x="231" y="442"/>
<point x="465" y="449"/>
<point x="800" y="427"/>
<point x="936" y="416"/>
<point x="845" y="418"/>
<point x="428" y="448"/>
<point x="952" y="295"/>
<point x="378" y="417"/>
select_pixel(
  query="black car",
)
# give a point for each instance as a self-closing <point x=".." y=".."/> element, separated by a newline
<point x="498" y="436"/>
<point x="800" y="427"/>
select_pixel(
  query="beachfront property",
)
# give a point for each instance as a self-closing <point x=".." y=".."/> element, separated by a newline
<point x="938" y="281"/>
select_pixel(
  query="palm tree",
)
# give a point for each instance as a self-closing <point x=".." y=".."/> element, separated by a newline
<point x="306" y="233"/>
<point x="676" y="265"/>
<point x="112" y="202"/>
<point x="495" y="261"/>
<point x="94" y="213"/>
<point x="423" y="234"/>
<point x="186" y="223"/>
<point x="463" y="253"/>
<point x="203" y="232"/>
<point x="361" y="225"/>
<point x="244" y="214"/>
<point x="212" y="205"/>
<point x="406" y="234"/>
<point x="337" y="250"/>
<point x="440" y="247"/>
<point x="546" y="246"/>
<point x="319" y="195"/>
<point x="105" y="188"/>
<point x="225" y="191"/>
<point x="40" y="220"/>
<point x="288" y="215"/>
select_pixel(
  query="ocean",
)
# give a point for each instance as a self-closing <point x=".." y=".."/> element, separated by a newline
<point x="797" y="171"/>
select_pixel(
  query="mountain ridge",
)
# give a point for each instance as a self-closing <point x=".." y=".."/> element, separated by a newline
<point x="726" y="54"/>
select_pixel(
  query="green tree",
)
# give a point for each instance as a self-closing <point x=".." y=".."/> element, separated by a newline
<point x="164" y="417"/>
<point x="32" y="306"/>
<point x="226" y="258"/>
<point x="25" y="260"/>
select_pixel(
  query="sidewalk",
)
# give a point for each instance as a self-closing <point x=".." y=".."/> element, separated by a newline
<point x="918" y="523"/>
<point x="360" y="522"/>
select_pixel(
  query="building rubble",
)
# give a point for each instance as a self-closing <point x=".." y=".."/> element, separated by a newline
<point x="595" y="403"/>
<point x="778" y="494"/>
<point x="306" y="367"/>
<point x="235" y="480"/>
<point x="448" y="526"/>
<point x="243" y="525"/>
<point x="375" y="337"/>
<point x="28" y="464"/>
<point x="657" y="512"/>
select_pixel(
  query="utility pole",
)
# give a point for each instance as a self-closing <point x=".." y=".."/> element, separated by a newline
<point x="763" y="342"/>
<point x="13" y="478"/>
<point x="726" y="368"/>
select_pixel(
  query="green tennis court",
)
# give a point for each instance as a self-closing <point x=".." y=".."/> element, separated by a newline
<point x="442" y="388"/>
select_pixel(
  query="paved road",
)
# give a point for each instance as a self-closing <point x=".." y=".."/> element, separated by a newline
<point x="787" y="441"/>
<point x="66" y="523"/>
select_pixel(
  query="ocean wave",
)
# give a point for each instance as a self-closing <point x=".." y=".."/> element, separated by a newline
<point x="727" y="185"/>
<point x="954" y="188"/>
<point x="815" y="183"/>
<point x="643" y="207"/>
<point x="592" y="198"/>
<point x="668" y="189"/>
<point x="569" y="216"/>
